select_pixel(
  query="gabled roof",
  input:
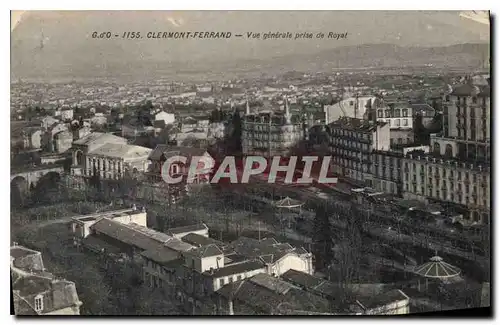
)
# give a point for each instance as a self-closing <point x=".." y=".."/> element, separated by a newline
<point x="199" y="240"/>
<point x="125" y="234"/>
<point x="161" y="255"/>
<point x="207" y="251"/>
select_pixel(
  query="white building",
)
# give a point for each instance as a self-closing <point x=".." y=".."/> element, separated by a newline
<point x="353" y="107"/>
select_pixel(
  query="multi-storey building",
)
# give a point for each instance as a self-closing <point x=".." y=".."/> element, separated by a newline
<point x="463" y="185"/>
<point x="387" y="168"/>
<point x="194" y="275"/>
<point x="352" y="142"/>
<point x="270" y="133"/>
<point x="457" y="172"/>
<point x="466" y="124"/>
<point x="353" y="107"/>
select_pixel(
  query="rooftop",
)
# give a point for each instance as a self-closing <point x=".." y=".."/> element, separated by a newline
<point x="355" y="124"/>
<point x="267" y="250"/>
<point x="101" y="137"/>
<point x="20" y="251"/>
<point x="121" y="151"/>
<point x="126" y="234"/>
<point x="207" y="251"/>
<point x="437" y="268"/>
<point x="199" y="240"/>
<point x="161" y="255"/>
<point x="236" y="269"/>
<point x="187" y="229"/>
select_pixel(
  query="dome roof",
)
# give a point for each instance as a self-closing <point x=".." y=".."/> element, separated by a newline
<point x="437" y="268"/>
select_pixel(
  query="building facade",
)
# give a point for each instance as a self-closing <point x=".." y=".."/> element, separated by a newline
<point x="352" y="142"/>
<point x="271" y="134"/>
<point x="457" y="170"/>
<point x="108" y="156"/>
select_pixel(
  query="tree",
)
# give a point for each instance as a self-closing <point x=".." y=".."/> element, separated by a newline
<point x="235" y="140"/>
<point x="323" y="238"/>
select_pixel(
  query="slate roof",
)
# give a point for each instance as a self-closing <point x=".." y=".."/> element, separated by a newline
<point x="161" y="255"/>
<point x="199" y="240"/>
<point x="207" y="251"/>
<point x="97" y="243"/>
<point x="269" y="295"/>
<point x="125" y="234"/>
<point x="57" y="294"/>
<point x="267" y="251"/>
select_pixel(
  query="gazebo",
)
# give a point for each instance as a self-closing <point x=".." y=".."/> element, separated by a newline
<point x="437" y="269"/>
<point x="285" y="209"/>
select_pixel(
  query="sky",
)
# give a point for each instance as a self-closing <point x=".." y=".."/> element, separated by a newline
<point x="67" y="41"/>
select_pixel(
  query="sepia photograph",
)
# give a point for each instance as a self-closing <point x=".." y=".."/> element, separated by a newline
<point x="250" y="163"/>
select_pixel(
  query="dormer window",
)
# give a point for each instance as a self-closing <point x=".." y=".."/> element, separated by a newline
<point x="39" y="303"/>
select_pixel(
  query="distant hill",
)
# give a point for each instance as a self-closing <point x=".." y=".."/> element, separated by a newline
<point x="58" y="44"/>
<point x="361" y="56"/>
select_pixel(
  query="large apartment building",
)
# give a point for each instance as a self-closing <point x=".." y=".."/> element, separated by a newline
<point x="269" y="133"/>
<point x="352" y="142"/>
<point x="457" y="170"/>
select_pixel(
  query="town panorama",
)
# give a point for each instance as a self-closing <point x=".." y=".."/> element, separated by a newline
<point x="403" y="229"/>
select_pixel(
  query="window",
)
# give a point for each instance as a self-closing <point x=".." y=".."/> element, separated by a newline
<point x="238" y="277"/>
<point x="387" y="113"/>
<point x="230" y="279"/>
<point x="405" y="112"/>
<point x="398" y="122"/>
<point x="397" y="113"/>
<point x="39" y="303"/>
<point x="351" y="103"/>
<point x="405" y="122"/>
<point x="221" y="282"/>
<point x="380" y="113"/>
<point x="474" y="100"/>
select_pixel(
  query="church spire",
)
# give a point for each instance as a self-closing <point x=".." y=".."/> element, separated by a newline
<point x="247" y="112"/>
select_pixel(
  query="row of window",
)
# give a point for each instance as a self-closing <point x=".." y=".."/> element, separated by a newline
<point x="445" y="195"/>
<point x="230" y="279"/>
<point x="352" y="134"/>
<point x="273" y="127"/>
<point x="350" y="144"/>
<point x="351" y="164"/>
<point x="397" y="113"/>
<point x="272" y="136"/>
